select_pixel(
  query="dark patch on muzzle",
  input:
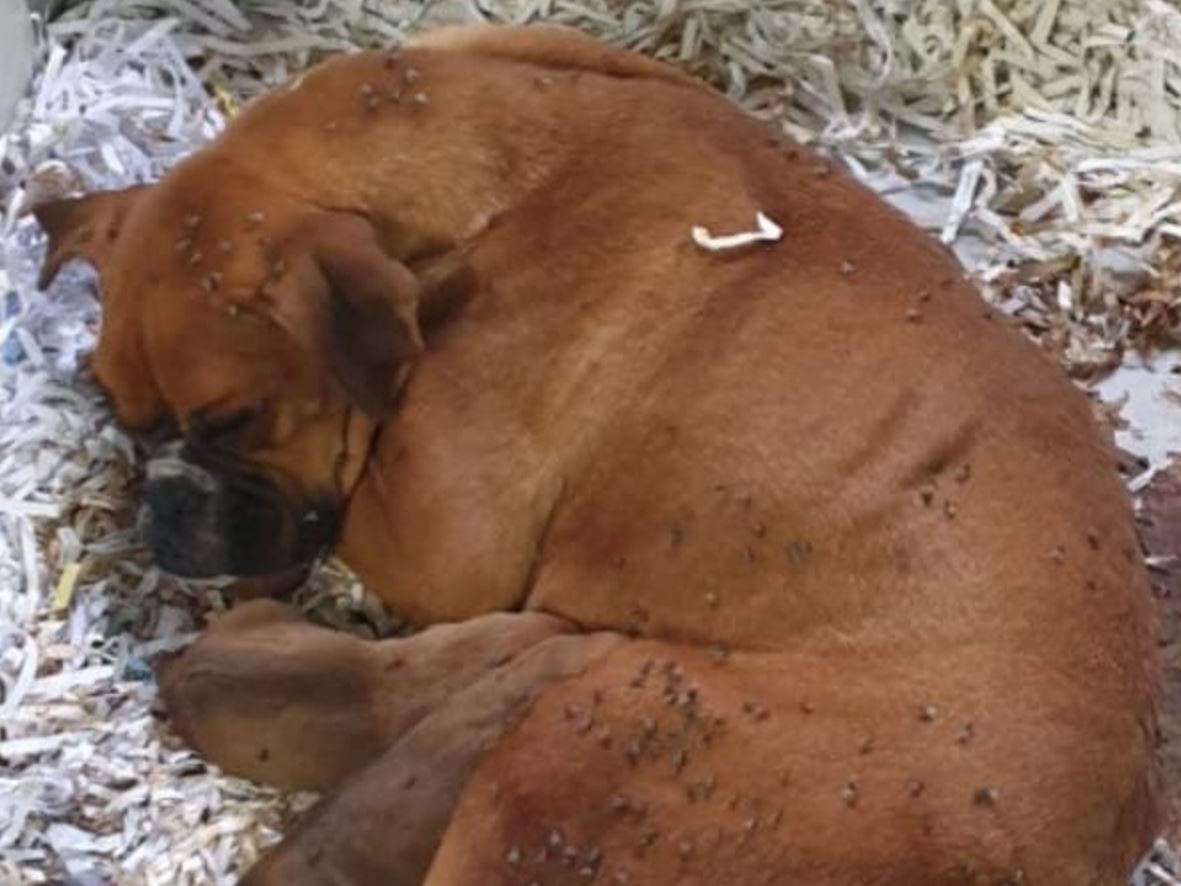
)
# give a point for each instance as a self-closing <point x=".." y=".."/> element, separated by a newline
<point x="205" y="517"/>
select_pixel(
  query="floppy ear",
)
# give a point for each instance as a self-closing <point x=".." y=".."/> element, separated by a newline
<point x="354" y="307"/>
<point x="83" y="227"/>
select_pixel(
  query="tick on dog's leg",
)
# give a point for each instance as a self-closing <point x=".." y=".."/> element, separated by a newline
<point x="268" y="696"/>
<point x="384" y="824"/>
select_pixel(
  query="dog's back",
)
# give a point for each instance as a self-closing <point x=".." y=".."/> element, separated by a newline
<point x="780" y="425"/>
<point x="825" y="446"/>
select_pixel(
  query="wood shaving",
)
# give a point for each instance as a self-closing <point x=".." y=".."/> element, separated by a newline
<point x="1039" y="137"/>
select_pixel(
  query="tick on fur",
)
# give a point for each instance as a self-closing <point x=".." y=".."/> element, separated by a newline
<point x="679" y="760"/>
<point x="985" y="796"/>
<point x="849" y="793"/>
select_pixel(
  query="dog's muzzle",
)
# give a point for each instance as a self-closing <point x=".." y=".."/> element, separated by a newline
<point x="204" y="521"/>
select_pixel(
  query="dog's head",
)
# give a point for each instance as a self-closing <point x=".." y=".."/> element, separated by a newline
<point x="273" y="335"/>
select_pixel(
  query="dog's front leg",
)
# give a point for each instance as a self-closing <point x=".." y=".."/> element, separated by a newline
<point x="384" y="825"/>
<point x="270" y="697"/>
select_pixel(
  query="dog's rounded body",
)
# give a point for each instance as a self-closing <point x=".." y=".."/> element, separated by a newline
<point x="888" y="619"/>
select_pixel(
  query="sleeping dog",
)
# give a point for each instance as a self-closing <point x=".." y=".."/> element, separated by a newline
<point x="780" y="563"/>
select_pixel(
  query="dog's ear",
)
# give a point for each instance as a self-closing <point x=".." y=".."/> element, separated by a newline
<point x="353" y="306"/>
<point x="83" y="227"/>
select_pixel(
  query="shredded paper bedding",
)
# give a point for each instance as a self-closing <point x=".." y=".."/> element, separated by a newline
<point x="1041" y="138"/>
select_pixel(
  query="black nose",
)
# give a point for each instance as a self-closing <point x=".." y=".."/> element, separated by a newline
<point x="204" y="521"/>
<point x="176" y="502"/>
<point x="180" y="525"/>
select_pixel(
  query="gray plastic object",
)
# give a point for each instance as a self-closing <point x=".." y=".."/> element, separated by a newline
<point x="16" y="56"/>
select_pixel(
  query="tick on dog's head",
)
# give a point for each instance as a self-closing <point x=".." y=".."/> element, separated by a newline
<point x="273" y="334"/>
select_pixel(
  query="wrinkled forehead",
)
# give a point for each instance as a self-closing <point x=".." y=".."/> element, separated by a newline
<point x="168" y="358"/>
<point x="201" y="361"/>
<point x="180" y="309"/>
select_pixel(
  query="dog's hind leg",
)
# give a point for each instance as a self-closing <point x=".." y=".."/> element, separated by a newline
<point x="383" y="826"/>
<point x="826" y="766"/>
<point x="271" y="697"/>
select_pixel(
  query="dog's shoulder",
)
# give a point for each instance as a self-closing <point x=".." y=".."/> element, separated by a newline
<point x="549" y="46"/>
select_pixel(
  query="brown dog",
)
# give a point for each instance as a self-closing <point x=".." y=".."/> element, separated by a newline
<point x="817" y="574"/>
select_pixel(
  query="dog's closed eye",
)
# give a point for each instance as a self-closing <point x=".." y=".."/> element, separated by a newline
<point x="208" y="428"/>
